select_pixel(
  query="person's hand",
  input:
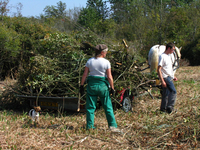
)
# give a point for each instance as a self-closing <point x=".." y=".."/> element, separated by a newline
<point x="175" y="79"/>
<point x="112" y="91"/>
<point x="81" y="90"/>
<point x="164" y="84"/>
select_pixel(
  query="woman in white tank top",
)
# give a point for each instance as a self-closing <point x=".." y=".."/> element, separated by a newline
<point x="98" y="83"/>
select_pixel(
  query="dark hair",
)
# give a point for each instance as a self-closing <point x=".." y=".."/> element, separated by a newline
<point x="170" y="45"/>
<point x="99" y="48"/>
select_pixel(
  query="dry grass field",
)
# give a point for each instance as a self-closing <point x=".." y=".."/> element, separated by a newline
<point x="143" y="128"/>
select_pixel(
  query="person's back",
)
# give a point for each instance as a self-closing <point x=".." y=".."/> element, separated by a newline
<point x="98" y="66"/>
<point x="98" y="83"/>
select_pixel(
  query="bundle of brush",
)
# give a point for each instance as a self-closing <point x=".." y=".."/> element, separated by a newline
<point x="34" y="113"/>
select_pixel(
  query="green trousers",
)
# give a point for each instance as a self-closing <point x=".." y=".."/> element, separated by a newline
<point x="98" y="87"/>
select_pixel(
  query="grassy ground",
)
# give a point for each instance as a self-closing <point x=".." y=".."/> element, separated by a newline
<point x="143" y="128"/>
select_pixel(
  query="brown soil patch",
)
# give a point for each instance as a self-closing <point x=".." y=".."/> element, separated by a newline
<point x="188" y="73"/>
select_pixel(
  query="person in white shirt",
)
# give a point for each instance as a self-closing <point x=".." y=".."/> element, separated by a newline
<point x="166" y="75"/>
<point x="98" y="83"/>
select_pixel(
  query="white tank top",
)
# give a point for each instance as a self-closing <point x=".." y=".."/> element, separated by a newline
<point x="98" y="66"/>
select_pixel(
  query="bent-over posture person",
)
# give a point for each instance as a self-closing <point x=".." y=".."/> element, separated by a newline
<point x="98" y="83"/>
<point x="166" y="75"/>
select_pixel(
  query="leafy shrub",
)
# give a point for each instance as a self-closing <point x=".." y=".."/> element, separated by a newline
<point x="9" y="49"/>
<point x="58" y="71"/>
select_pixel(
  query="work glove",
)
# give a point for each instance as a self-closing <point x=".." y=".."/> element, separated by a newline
<point x="81" y="90"/>
<point x="112" y="92"/>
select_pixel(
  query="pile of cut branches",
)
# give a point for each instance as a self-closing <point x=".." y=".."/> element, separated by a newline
<point x="60" y="76"/>
<point x="47" y="76"/>
<point x="57" y="68"/>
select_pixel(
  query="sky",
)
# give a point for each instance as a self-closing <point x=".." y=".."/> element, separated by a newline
<point x="36" y="7"/>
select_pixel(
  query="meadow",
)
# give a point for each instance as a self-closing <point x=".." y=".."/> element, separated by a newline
<point x="142" y="128"/>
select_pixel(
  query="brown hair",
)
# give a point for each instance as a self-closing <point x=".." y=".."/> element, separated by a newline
<point x="170" y="45"/>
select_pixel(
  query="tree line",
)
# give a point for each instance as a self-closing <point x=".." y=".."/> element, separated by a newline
<point x="142" y="23"/>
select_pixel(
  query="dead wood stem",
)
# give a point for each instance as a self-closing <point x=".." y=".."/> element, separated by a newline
<point x="79" y="82"/>
<point x="120" y="75"/>
<point x="145" y="82"/>
<point x="116" y="101"/>
<point x="158" y="145"/>
<point x="72" y="91"/>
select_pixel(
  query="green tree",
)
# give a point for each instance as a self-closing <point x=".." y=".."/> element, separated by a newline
<point x="20" y="39"/>
<point x="131" y="17"/>
<point x="58" y="11"/>
<point x="175" y="24"/>
<point x="100" y="7"/>
<point x="121" y="10"/>
<point x="191" y="51"/>
<point x="9" y="50"/>
<point x="95" y="12"/>
<point x="193" y="13"/>
<point x="4" y="7"/>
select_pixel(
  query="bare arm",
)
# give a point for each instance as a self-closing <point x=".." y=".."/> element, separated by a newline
<point x="110" y="78"/>
<point x="84" y="75"/>
<point x="161" y="77"/>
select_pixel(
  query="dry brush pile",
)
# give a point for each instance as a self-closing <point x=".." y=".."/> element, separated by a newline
<point x="58" y="71"/>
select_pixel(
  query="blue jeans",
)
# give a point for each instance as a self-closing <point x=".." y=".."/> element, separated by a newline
<point x="168" y="95"/>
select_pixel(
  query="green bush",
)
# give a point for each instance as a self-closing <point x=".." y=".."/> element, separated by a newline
<point x="9" y="49"/>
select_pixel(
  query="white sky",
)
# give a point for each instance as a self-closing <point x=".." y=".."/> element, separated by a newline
<point x="36" y="7"/>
